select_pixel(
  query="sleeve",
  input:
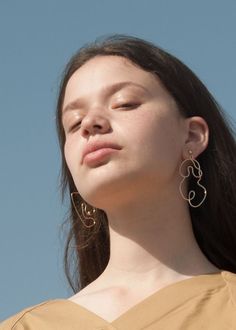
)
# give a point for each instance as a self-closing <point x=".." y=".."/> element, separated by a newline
<point x="231" y="281"/>
<point x="15" y="321"/>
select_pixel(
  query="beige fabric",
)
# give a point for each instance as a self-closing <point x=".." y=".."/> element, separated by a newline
<point x="205" y="302"/>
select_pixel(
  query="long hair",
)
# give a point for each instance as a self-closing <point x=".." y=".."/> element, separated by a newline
<point x="214" y="223"/>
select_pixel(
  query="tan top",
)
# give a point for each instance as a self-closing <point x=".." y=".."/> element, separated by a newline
<point x="204" y="302"/>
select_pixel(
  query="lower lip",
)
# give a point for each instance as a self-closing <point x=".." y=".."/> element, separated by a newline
<point x="94" y="157"/>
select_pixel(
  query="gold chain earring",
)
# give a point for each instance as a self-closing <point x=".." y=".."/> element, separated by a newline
<point x="87" y="215"/>
<point x="198" y="175"/>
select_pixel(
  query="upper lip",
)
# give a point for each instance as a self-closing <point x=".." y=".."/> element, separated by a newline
<point x="93" y="146"/>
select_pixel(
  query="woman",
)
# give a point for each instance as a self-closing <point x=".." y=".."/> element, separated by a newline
<point x="149" y="162"/>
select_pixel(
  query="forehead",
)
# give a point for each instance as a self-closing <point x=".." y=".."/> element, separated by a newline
<point x="105" y="66"/>
<point x="101" y="71"/>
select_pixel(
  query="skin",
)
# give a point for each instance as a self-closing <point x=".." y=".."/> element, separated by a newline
<point x="152" y="242"/>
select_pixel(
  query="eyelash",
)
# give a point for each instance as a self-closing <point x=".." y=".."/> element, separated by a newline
<point x="127" y="105"/>
<point x="75" y="126"/>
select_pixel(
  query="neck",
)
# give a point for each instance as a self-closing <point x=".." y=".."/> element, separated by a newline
<point x="153" y="240"/>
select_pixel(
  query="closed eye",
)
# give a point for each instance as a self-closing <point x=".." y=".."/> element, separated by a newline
<point x="128" y="105"/>
<point x="75" y="126"/>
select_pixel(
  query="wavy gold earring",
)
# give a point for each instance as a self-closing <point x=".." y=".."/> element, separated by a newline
<point x="194" y="166"/>
<point x="88" y="217"/>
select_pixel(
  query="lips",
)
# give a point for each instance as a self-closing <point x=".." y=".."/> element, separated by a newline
<point x="94" y="146"/>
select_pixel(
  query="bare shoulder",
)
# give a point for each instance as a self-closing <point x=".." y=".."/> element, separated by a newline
<point x="88" y="296"/>
<point x="88" y="291"/>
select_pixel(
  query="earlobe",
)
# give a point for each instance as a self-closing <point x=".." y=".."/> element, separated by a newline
<point x="198" y="135"/>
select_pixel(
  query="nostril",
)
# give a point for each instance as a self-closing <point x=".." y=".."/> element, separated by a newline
<point x="97" y="126"/>
<point x="93" y="129"/>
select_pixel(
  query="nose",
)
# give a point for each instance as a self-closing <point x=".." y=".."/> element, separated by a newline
<point x="94" y="124"/>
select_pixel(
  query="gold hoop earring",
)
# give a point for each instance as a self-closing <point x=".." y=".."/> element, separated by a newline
<point x="87" y="215"/>
<point x="198" y="175"/>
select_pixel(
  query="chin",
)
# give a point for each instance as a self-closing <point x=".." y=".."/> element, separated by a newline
<point x="99" y="196"/>
<point x="110" y="185"/>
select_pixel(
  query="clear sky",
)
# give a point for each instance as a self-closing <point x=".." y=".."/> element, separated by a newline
<point x="36" y="40"/>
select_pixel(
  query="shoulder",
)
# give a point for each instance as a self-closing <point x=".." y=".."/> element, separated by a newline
<point x="30" y="316"/>
<point x="230" y="280"/>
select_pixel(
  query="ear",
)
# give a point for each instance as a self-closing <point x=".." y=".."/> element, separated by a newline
<point x="197" y="136"/>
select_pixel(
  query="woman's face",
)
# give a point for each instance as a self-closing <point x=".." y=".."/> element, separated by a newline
<point x="125" y="112"/>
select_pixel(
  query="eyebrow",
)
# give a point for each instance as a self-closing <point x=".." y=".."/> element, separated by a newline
<point x="107" y="90"/>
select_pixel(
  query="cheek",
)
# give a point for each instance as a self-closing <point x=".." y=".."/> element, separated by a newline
<point x="68" y="153"/>
<point x="161" y="143"/>
<point x="158" y="133"/>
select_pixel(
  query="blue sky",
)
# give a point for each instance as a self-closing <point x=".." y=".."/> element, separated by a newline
<point x="37" y="39"/>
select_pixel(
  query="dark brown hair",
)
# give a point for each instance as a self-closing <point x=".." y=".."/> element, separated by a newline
<point x="214" y="223"/>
